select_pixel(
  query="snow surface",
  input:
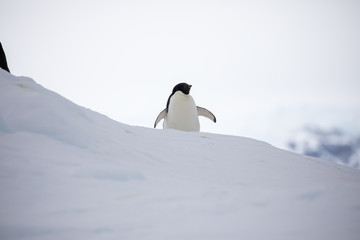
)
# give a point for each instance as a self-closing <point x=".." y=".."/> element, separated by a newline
<point x="67" y="172"/>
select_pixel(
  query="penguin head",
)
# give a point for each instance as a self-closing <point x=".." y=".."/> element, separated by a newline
<point x="183" y="87"/>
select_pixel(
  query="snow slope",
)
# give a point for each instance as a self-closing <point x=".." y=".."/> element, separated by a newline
<point x="67" y="172"/>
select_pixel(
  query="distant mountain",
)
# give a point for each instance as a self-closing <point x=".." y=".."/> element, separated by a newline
<point x="334" y="145"/>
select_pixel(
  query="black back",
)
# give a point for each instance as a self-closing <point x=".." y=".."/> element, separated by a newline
<point x="183" y="87"/>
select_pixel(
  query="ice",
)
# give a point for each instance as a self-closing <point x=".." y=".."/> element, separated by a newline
<point x="67" y="172"/>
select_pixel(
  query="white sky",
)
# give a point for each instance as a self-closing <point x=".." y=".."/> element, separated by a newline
<point x="264" y="68"/>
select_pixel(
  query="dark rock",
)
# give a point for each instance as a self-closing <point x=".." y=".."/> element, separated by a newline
<point x="3" y="62"/>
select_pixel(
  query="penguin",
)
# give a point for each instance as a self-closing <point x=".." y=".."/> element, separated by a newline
<point x="181" y="112"/>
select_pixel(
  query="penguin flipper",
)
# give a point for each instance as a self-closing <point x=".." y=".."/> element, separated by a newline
<point x="161" y="115"/>
<point x="206" y="113"/>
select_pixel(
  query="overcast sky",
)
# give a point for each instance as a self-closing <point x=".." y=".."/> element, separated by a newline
<point x="264" y="68"/>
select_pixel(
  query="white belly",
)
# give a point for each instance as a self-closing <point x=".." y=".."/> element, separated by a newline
<point x="182" y="113"/>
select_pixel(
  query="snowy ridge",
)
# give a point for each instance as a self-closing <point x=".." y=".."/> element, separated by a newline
<point x="67" y="172"/>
